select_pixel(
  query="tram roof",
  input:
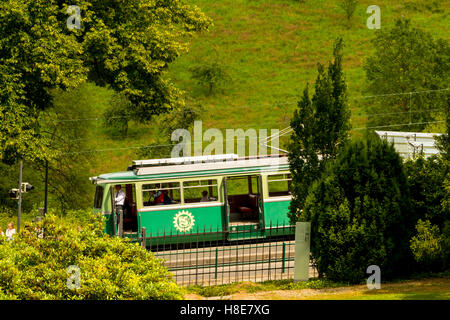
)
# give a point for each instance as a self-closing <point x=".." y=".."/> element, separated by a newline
<point x="217" y="168"/>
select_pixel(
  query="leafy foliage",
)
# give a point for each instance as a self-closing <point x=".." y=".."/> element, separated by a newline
<point x="407" y="59"/>
<point x="360" y="213"/>
<point x="320" y="127"/>
<point x="111" y="268"/>
<point x="430" y="246"/>
<point x="124" y="44"/>
<point x="426" y="179"/>
<point x="17" y="129"/>
<point x="129" y="44"/>
<point x="429" y="180"/>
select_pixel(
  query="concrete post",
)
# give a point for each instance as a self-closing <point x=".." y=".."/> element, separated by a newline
<point x="302" y="251"/>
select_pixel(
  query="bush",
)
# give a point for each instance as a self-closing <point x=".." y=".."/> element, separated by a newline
<point x="33" y="267"/>
<point x="429" y="246"/>
<point x="360" y="214"/>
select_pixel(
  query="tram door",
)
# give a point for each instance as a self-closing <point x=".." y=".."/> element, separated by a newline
<point x="129" y="218"/>
<point x="244" y="205"/>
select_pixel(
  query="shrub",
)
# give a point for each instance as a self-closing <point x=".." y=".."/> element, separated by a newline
<point x="360" y="214"/>
<point x="33" y="267"/>
<point x="429" y="246"/>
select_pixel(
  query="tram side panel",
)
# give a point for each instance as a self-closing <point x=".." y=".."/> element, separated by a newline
<point x="183" y="224"/>
<point x="276" y="220"/>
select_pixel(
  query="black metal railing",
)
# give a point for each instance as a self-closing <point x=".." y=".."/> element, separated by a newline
<point x="211" y="256"/>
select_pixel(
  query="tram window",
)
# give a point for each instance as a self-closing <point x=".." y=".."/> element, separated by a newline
<point x="98" y="197"/>
<point x="279" y="185"/>
<point x="154" y="194"/>
<point x="242" y="185"/>
<point x="200" y="191"/>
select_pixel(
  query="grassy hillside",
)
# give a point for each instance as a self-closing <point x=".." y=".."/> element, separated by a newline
<point x="270" y="49"/>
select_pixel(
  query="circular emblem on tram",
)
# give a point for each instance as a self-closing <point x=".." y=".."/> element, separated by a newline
<point x="183" y="221"/>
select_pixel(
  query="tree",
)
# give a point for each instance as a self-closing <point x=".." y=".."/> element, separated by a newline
<point x="349" y="7"/>
<point x="36" y="55"/>
<point x="406" y="59"/>
<point x="17" y="129"/>
<point x="320" y="128"/>
<point x="126" y="45"/>
<point x="429" y="181"/>
<point x="210" y="75"/>
<point x="129" y="45"/>
<point x="360" y="213"/>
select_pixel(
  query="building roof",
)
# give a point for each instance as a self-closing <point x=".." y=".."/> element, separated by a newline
<point x="411" y="144"/>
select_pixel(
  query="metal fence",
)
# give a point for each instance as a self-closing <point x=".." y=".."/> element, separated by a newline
<point x="217" y="257"/>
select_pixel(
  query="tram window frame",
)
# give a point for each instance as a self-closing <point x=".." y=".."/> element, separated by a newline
<point x="98" y="198"/>
<point x="283" y="193"/>
<point x="161" y="186"/>
<point x="210" y="184"/>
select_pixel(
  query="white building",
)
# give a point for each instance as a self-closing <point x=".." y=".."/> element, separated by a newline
<point x="410" y="144"/>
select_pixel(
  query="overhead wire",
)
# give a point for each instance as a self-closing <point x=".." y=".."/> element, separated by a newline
<point x="269" y="138"/>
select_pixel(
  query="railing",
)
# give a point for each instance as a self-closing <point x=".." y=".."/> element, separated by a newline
<point x="211" y="257"/>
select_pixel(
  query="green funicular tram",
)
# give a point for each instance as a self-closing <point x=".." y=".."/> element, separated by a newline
<point x="206" y="198"/>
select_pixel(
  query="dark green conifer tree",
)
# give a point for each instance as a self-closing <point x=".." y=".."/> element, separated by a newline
<point x="320" y="127"/>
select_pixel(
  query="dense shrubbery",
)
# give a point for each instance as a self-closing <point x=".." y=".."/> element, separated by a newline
<point x="360" y="213"/>
<point x="428" y="178"/>
<point x="369" y="207"/>
<point x="110" y="268"/>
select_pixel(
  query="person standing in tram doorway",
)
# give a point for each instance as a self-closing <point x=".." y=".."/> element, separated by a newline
<point x="120" y="201"/>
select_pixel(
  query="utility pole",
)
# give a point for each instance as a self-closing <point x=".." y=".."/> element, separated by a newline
<point x="46" y="187"/>
<point x="20" y="196"/>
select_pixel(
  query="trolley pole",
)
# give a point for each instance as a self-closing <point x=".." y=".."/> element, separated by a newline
<point x="19" y="209"/>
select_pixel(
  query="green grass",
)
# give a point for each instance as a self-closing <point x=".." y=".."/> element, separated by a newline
<point x="252" y="287"/>
<point x="271" y="49"/>
<point x="427" y="288"/>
